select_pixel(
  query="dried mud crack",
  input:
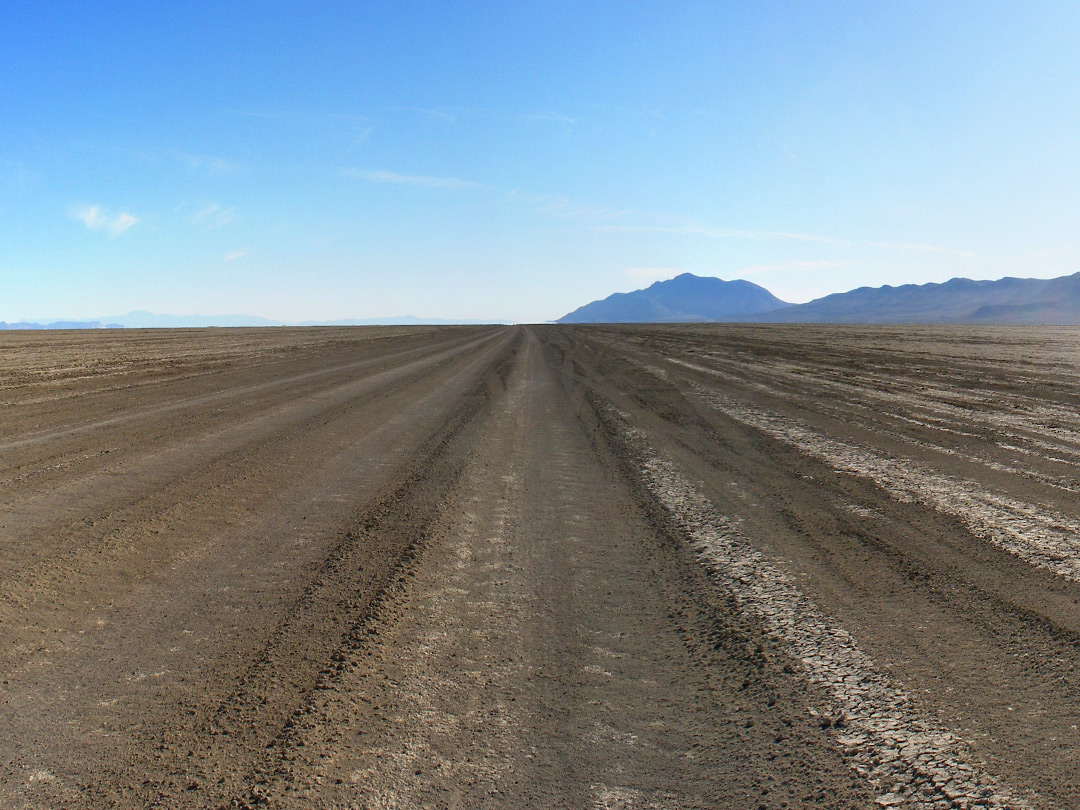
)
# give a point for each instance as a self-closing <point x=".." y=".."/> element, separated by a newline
<point x="665" y="567"/>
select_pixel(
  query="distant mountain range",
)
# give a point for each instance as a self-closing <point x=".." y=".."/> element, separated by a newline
<point x="149" y="320"/>
<point x="688" y="298"/>
<point x="396" y="320"/>
<point x="961" y="301"/>
<point x="685" y="298"/>
<point x="59" y="325"/>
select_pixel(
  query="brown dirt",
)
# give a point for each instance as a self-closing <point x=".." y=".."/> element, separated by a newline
<point x="665" y="567"/>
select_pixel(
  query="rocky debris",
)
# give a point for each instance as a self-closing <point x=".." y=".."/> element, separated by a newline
<point x="909" y="758"/>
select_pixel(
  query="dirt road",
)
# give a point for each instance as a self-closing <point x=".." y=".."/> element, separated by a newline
<point x="671" y="567"/>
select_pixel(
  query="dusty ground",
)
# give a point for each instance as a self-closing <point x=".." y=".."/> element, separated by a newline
<point x="670" y="567"/>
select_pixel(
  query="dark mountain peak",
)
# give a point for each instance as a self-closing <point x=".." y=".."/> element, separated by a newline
<point x="685" y="298"/>
<point x="683" y="281"/>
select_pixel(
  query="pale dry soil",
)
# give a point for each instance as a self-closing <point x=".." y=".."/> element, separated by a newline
<point x="581" y="567"/>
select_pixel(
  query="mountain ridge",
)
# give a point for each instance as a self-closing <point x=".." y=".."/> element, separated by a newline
<point x="685" y="298"/>
<point x="1005" y="301"/>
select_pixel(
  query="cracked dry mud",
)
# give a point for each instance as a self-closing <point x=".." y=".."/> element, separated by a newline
<point x="580" y="567"/>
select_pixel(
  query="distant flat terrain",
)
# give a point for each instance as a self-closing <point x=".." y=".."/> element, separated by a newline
<point x="553" y="566"/>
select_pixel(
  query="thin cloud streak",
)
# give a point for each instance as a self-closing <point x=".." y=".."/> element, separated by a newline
<point x="425" y="181"/>
<point x="600" y="218"/>
<point x="213" y="216"/>
<point x="96" y="219"/>
<point x="451" y="115"/>
<point x="558" y="118"/>
<point x="208" y="163"/>
<point x="565" y="208"/>
<point x="549" y="205"/>
<point x="233" y="255"/>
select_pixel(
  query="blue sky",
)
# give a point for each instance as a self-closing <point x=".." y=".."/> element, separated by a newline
<point x="514" y="161"/>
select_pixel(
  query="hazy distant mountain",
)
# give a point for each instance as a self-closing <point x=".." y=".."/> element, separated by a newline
<point x="58" y="325"/>
<point x="144" y="320"/>
<point x="149" y="320"/>
<point x="396" y="320"/>
<point x="685" y="298"/>
<point x="961" y="300"/>
<point x="689" y="298"/>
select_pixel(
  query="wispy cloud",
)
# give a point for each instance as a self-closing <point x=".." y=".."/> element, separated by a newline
<point x="121" y="222"/>
<point x="233" y="255"/>
<point x="97" y="219"/>
<point x="445" y="114"/>
<point x="90" y="216"/>
<point x="213" y="216"/>
<point x="560" y="207"/>
<point x="208" y="163"/>
<point x="425" y="181"/>
<point x="549" y="205"/>
<point x="798" y="237"/>
<point x="451" y="115"/>
<point x="549" y="116"/>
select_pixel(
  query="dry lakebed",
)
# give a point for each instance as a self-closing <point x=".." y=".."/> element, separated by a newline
<point x="656" y="567"/>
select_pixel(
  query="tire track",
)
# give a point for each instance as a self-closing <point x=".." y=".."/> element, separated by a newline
<point x="234" y="393"/>
<point x="909" y="758"/>
<point x="1037" y="536"/>
<point x="179" y="763"/>
<point x="165" y="480"/>
<point x="529" y="660"/>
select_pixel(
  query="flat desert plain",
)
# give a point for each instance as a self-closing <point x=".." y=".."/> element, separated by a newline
<point x="566" y="567"/>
